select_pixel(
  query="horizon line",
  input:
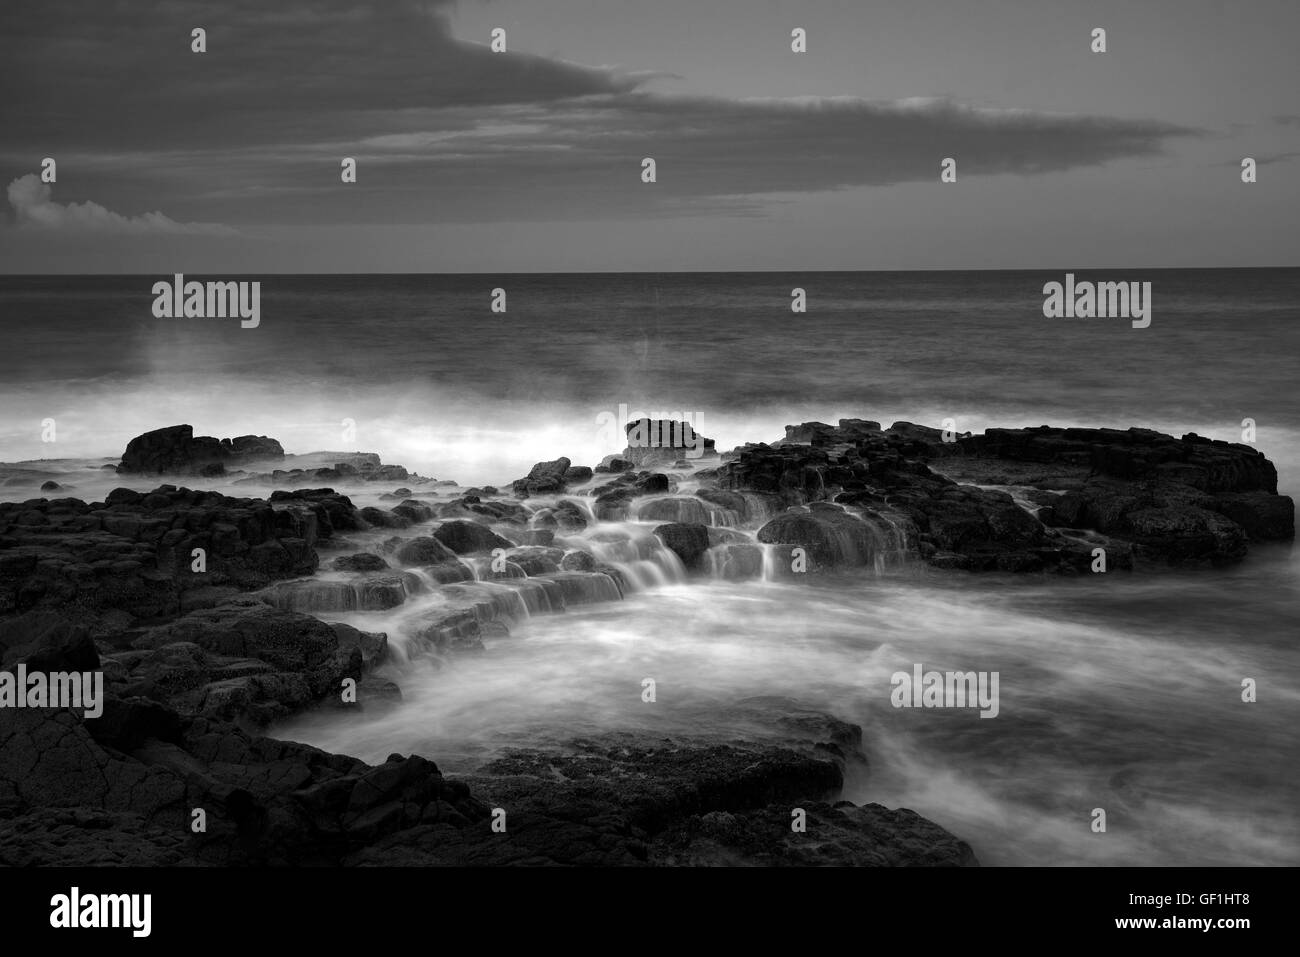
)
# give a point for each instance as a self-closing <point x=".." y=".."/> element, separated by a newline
<point x="662" y="272"/>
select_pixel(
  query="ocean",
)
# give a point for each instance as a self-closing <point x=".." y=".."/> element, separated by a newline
<point x="1119" y="692"/>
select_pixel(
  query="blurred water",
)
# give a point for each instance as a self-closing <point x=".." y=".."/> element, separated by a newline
<point x="1117" y="692"/>
<point x="434" y="380"/>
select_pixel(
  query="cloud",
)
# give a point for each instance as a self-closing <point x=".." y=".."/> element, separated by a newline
<point x="446" y="130"/>
<point x="291" y="71"/>
<point x="33" y="207"/>
<point x="1271" y="158"/>
<point x="581" y="158"/>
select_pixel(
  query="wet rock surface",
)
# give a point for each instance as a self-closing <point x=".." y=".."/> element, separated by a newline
<point x="208" y="617"/>
<point x="1017" y="500"/>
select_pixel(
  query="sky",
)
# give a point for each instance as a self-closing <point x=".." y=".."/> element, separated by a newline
<point x="530" y="160"/>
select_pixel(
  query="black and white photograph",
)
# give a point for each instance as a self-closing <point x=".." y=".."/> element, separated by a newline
<point x="701" y="434"/>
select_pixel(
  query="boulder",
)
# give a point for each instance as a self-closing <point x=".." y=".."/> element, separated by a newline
<point x="177" y="450"/>
<point x="467" y="537"/>
<point x="688" y="542"/>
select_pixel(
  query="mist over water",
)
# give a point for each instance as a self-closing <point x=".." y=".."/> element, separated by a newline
<point x="435" y="381"/>
<point x="1117" y="691"/>
<point x="1123" y="695"/>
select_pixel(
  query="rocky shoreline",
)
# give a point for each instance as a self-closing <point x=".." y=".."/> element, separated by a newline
<point x="209" y="616"/>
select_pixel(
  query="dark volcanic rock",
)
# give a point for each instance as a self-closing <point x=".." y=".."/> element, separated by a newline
<point x="466" y="537"/>
<point x="578" y="562"/>
<point x="688" y="542"/>
<point x="372" y="645"/>
<point x="1147" y="498"/>
<point x="537" y="559"/>
<point x="360" y="562"/>
<point x="46" y="641"/>
<point x="176" y="450"/>
<point x="381" y="518"/>
<point x="614" y="463"/>
<point x="1203" y="464"/>
<point x="140" y="555"/>
<point x="793" y="474"/>
<point x="836" y="835"/>
<point x="301" y="653"/>
<point x="663" y="442"/>
<point x="544" y="478"/>
<point x="832" y="536"/>
<point x="629" y="799"/>
<point x="70" y="799"/>
<point x="614" y="498"/>
<point x="424" y="551"/>
<point x="577" y="474"/>
<point x="474" y="508"/>
<point x="414" y="511"/>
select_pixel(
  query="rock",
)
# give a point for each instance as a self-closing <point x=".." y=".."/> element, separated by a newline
<point x="379" y="518"/>
<point x="613" y="499"/>
<point x="569" y="516"/>
<point x="413" y="511"/>
<point x="847" y="836"/>
<point x="831" y="536"/>
<point x="473" y="508"/>
<point x="793" y="474"/>
<point x="176" y="450"/>
<point x="577" y="474"/>
<point x="46" y="641"/>
<point x="732" y="501"/>
<point x="615" y="463"/>
<point x="372" y="645"/>
<point x="688" y="542"/>
<point x="360" y="562"/>
<point x="1152" y="499"/>
<point x="578" y="562"/>
<point x="140" y="555"/>
<point x="544" y="478"/>
<point x="536" y="559"/>
<point x="466" y="537"/>
<point x="1263" y="516"/>
<point x="301" y="652"/>
<point x="424" y="551"/>
<point x="334" y="512"/>
<point x="636" y="799"/>
<point x="1203" y="464"/>
<point x="663" y="442"/>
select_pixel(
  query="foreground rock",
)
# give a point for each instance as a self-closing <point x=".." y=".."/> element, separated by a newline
<point x="122" y="789"/>
<point x="149" y="556"/>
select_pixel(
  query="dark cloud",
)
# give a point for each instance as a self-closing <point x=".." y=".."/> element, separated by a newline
<point x="581" y="158"/>
<point x="445" y="130"/>
<point x="1271" y="158"/>
<point x="122" y="75"/>
<point x="1262" y="159"/>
